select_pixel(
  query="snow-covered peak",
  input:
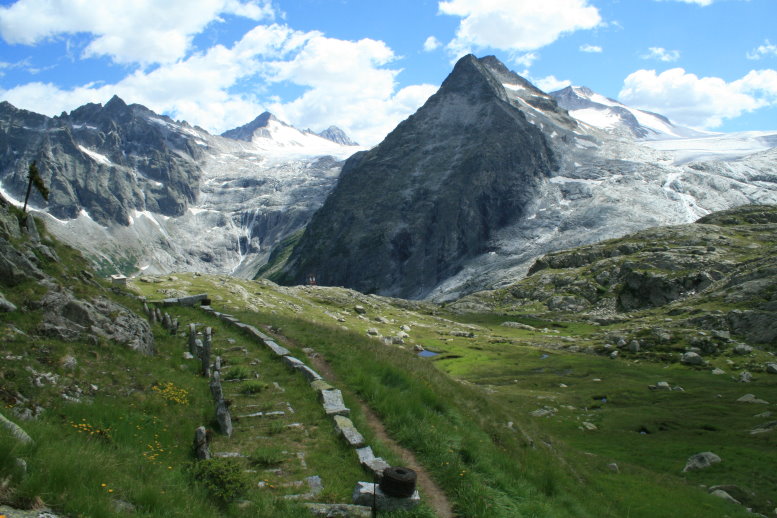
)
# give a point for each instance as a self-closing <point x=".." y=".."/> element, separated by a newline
<point x="614" y="117"/>
<point x="269" y="135"/>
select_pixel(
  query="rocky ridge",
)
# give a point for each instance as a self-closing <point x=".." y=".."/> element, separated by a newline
<point x="134" y="189"/>
<point x="718" y="275"/>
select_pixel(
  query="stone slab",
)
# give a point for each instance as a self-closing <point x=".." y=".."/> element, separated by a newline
<point x="339" y="510"/>
<point x="309" y="373"/>
<point x="292" y="362"/>
<point x="366" y="493"/>
<point x="332" y="401"/>
<point x="348" y="431"/>
<point x="277" y="349"/>
<point x="320" y="385"/>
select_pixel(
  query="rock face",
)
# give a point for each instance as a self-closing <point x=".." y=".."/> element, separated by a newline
<point x="106" y="160"/>
<point x="725" y="259"/>
<point x="132" y="188"/>
<point x="407" y="214"/>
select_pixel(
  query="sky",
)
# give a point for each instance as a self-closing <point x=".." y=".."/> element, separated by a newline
<point x="365" y="65"/>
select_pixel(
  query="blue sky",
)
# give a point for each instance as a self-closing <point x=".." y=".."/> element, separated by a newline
<point x="365" y="65"/>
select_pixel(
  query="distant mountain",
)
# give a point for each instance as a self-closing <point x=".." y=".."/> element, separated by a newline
<point x="491" y="173"/>
<point x="335" y="134"/>
<point x="611" y="116"/>
<point x="266" y="127"/>
<point x="134" y="188"/>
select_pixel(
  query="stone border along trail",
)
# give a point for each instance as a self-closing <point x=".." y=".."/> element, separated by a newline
<point x="435" y="496"/>
<point x="329" y="397"/>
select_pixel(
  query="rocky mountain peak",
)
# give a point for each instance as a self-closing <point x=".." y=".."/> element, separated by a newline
<point x="256" y="127"/>
<point x="407" y="214"/>
<point x="337" y="135"/>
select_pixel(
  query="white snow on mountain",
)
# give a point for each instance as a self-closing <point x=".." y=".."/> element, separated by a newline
<point x="253" y="193"/>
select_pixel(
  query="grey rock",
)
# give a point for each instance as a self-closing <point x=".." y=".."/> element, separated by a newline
<point x="5" y="305"/>
<point x="366" y="493"/>
<point x="339" y="510"/>
<point x="742" y="349"/>
<point x="750" y="398"/>
<point x="725" y="496"/>
<point x="332" y="401"/>
<point x="277" y="349"/>
<point x="701" y="460"/>
<point x="771" y="368"/>
<point x="663" y="385"/>
<point x="348" y="431"/>
<point x="201" y="446"/>
<point x="716" y="371"/>
<point x="745" y="377"/>
<point x="373" y="331"/>
<point x="691" y="358"/>
<point x="16" y="431"/>
<point x="613" y="467"/>
<point x="68" y="316"/>
<point x="224" y="418"/>
<point x="359" y="310"/>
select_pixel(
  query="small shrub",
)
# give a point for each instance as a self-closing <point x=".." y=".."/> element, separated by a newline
<point x="276" y="427"/>
<point x="252" y="387"/>
<point x="267" y="456"/>
<point x="223" y="478"/>
<point x="238" y="372"/>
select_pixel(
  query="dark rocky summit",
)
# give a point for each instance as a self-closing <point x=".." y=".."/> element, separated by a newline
<point x="106" y="160"/>
<point x="405" y="215"/>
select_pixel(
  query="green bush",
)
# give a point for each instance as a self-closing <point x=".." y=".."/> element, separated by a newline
<point x="223" y="478"/>
<point x="267" y="456"/>
<point x="252" y="387"/>
<point x="238" y="372"/>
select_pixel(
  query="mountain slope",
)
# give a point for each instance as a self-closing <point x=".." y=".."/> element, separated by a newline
<point x="406" y="214"/>
<point x="609" y="115"/>
<point x="490" y="174"/>
<point x="134" y="189"/>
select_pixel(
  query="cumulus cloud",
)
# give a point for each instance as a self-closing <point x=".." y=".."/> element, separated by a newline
<point x="127" y="31"/>
<point x="767" y="49"/>
<point x="699" y="101"/>
<point x="431" y="44"/>
<point x="551" y="84"/>
<point x="347" y="83"/>
<point x="662" y="54"/>
<point x="516" y="26"/>
<point x="590" y="48"/>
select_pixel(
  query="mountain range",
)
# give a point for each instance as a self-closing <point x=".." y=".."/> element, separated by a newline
<point x="486" y="176"/>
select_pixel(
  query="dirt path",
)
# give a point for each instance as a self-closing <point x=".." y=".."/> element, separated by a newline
<point x="432" y="493"/>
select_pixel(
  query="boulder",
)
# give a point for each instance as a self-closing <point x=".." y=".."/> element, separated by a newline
<point x="701" y="461"/>
<point x="750" y="398"/>
<point x="691" y="358"/>
<point x="771" y="368"/>
<point x="742" y="349"/>
<point x="6" y="305"/>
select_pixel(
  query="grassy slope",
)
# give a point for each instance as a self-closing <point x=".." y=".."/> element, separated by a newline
<point x="455" y="416"/>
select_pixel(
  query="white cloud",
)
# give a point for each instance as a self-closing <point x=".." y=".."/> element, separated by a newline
<point x="128" y="31"/>
<point x="347" y="83"/>
<point x="662" y="54"/>
<point x="551" y="84"/>
<point x="590" y="48"/>
<point x="431" y="44"/>
<point x="525" y="60"/>
<point x="762" y="51"/>
<point x="700" y="102"/>
<point x="517" y="26"/>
